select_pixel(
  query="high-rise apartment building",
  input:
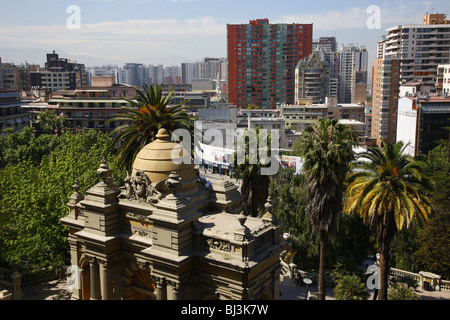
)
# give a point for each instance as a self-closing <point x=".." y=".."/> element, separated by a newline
<point x="311" y="79"/>
<point x="261" y="61"/>
<point x="420" y="48"/>
<point x="385" y="92"/>
<point x="156" y="74"/>
<point x="172" y="75"/>
<point x="209" y="68"/>
<point x="407" y="53"/>
<point x="139" y="74"/>
<point x="325" y="43"/>
<point x="326" y="47"/>
<point x="17" y="77"/>
<point x="76" y="71"/>
<point x="59" y="74"/>
<point x="352" y="59"/>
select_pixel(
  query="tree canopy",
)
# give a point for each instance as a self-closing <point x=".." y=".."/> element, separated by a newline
<point x="34" y="193"/>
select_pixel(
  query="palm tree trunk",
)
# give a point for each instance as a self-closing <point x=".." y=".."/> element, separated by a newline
<point x="322" y="259"/>
<point x="384" y="273"/>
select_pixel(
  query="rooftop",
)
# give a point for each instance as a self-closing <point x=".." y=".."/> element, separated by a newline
<point x="224" y="225"/>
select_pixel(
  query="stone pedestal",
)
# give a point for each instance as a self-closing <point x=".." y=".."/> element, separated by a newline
<point x="17" y="279"/>
<point x="433" y="280"/>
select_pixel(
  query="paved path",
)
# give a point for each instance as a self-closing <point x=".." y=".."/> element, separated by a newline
<point x="52" y="290"/>
<point x="57" y="290"/>
<point x="290" y="291"/>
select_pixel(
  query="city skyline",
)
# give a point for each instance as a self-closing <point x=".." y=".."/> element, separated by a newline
<point x="170" y="32"/>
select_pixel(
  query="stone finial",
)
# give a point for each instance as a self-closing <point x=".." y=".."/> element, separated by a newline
<point x="76" y="186"/>
<point x="173" y="182"/>
<point x="104" y="172"/>
<point x="76" y="196"/>
<point x="269" y="217"/>
<point x="242" y="232"/>
<point x="163" y="134"/>
<point x="268" y="205"/>
<point x="242" y="218"/>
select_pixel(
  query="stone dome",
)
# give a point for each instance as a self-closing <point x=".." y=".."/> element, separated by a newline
<point x="162" y="156"/>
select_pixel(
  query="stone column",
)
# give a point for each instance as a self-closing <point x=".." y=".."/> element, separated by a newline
<point x="176" y="290"/>
<point x="94" y="279"/>
<point x="276" y="284"/>
<point x="74" y="274"/>
<point x="106" y="287"/>
<point x="161" y="288"/>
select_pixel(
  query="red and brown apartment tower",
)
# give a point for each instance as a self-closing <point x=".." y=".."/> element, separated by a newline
<point x="262" y="59"/>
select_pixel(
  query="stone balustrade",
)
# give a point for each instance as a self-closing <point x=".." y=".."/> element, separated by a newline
<point x="435" y="281"/>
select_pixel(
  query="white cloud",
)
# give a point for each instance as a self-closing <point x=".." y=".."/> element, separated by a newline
<point x="356" y="18"/>
<point x="203" y="26"/>
<point x="126" y="30"/>
<point x="115" y="40"/>
<point x="330" y="20"/>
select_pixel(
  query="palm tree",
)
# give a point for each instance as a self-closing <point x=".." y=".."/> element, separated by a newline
<point x="148" y="113"/>
<point x="255" y="186"/>
<point x="384" y="191"/>
<point x="401" y="291"/>
<point x="350" y="287"/>
<point x="326" y="149"/>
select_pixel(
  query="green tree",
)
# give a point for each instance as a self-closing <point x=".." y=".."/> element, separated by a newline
<point x="289" y="199"/>
<point x="403" y="248"/>
<point x="20" y="146"/>
<point x="383" y="191"/>
<point x="351" y="243"/>
<point x="433" y="245"/>
<point x="49" y="122"/>
<point x="148" y="113"/>
<point x="349" y="246"/>
<point x="34" y="198"/>
<point x="432" y="242"/>
<point x="327" y="151"/>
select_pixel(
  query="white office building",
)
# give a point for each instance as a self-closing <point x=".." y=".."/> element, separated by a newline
<point x="352" y="59"/>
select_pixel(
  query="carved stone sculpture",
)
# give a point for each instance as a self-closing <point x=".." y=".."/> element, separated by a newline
<point x="140" y="188"/>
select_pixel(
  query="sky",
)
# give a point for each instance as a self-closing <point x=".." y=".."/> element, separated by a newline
<point x="170" y="32"/>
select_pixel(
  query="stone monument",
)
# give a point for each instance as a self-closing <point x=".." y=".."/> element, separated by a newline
<point x="164" y="235"/>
